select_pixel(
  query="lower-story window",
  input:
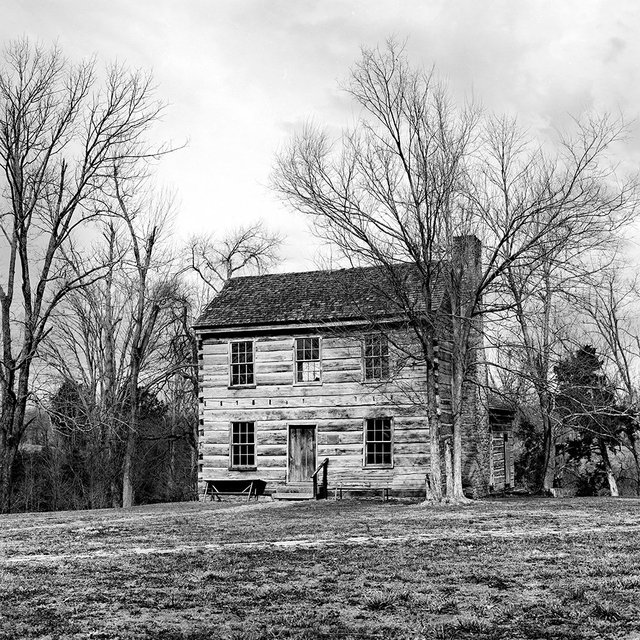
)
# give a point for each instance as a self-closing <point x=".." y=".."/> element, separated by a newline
<point x="243" y="445"/>
<point x="378" y="442"/>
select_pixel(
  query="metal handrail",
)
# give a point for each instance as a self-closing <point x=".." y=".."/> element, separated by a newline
<point x="322" y="466"/>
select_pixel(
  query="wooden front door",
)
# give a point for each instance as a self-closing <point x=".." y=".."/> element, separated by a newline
<point x="302" y="453"/>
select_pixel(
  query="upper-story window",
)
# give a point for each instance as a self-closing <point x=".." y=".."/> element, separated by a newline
<point x="241" y="372"/>
<point x="308" y="360"/>
<point x="376" y="357"/>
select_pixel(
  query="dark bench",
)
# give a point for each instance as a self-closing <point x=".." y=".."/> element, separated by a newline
<point x="217" y="487"/>
<point x="360" y="488"/>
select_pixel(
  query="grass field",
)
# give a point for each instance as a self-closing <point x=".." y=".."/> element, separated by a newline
<point x="346" y="569"/>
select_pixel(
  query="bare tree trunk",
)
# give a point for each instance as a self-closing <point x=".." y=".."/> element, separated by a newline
<point x="127" y="468"/>
<point x="12" y="427"/>
<point x="548" y="446"/>
<point x="633" y="446"/>
<point x="7" y="459"/>
<point x="466" y="336"/>
<point x="132" y="433"/>
<point x="448" y="470"/>
<point x="456" y="493"/>
<point x="434" y="486"/>
<point x="171" y="479"/>
<point x="134" y="416"/>
<point x="145" y="314"/>
<point x="8" y="449"/>
<point x="611" y="479"/>
<point x="110" y="404"/>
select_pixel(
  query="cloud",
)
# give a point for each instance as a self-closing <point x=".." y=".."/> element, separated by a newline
<point x="240" y="76"/>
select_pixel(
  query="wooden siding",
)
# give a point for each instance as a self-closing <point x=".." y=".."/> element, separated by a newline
<point x="337" y="407"/>
<point x="498" y="461"/>
<point x="502" y="460"/>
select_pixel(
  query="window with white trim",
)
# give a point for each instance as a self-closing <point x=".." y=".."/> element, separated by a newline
<point x="243" y="445"/>
<point x="308" y="360"/>
<point x="241" y="363"/>
<point x="376" y="357"/>
<point x="378" y="442"/>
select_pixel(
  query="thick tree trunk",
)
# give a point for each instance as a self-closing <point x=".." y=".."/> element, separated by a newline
<point x="111" y="408"/>
<point x="460" y="352"/>
<point x="116" y="494"/>
<point x="633" y="446"/>
<point x="127" y="470"/>
<point x="434" y="484"/>
<point x="8" y="454"/>
<point x="548" y="448"/>
<point x="448" y="470"/>
<point x="14" y="405"/>
<point x="611" y="479"/>
<point x="457" y="493"/>
<point x="8" y="448"/>
<point x="132" y="434"/>
<point x="466" y="336"/>
<point x="171" y="475"/>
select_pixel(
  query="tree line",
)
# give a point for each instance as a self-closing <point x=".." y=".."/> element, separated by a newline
<point x="98" y="375"/>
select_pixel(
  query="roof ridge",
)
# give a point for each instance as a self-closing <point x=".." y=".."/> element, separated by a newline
<point x="295" y="273"/>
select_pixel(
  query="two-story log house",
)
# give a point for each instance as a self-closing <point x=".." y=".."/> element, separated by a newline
<point x="296" y="368"/>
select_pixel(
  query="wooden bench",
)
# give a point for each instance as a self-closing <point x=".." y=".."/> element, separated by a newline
<point x="217" y="487"/>
<point x="353" y="487"/>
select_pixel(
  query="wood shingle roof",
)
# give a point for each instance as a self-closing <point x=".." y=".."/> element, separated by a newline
<point x="309" y="297"/>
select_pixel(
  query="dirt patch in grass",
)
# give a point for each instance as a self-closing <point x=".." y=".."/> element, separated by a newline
<point x="349" y="569"/>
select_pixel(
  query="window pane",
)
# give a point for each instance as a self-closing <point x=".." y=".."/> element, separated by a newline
<point x="378" y="445"/>
<point x="376" y="357"/>
<point x="243" y="444"/>
<point x="242" y="363"/>
<point x="307" y="359"/>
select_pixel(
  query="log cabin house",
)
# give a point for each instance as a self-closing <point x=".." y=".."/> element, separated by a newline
<point x="300" y="368"/>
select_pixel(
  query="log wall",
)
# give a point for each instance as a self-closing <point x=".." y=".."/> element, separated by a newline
<point x="337" y="407"/>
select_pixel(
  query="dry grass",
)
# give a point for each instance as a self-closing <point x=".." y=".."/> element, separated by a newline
<point x="350" y="569"/>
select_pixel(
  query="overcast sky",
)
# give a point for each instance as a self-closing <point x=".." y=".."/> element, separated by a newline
<point x="240" y="76"/>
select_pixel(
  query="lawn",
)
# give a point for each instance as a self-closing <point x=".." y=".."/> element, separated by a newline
<point x="345" y="569"/>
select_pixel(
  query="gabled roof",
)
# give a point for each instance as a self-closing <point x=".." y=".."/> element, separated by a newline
<point x="309" y="297"/>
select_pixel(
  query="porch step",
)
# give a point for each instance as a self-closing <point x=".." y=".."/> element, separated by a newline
<point x="295" y="491"/>
<point x="292" y="495"/>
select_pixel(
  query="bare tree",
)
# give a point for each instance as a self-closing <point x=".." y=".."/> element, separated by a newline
<point x="418" y="170"/>
<point x="574" y="205"/>
<point x="118" y="342"/>
<point x="81" y="354"/>
<point x="128" y="337"/>
<point x="610" y="307"/>
<point x="152" y="286"/>
<point x="389" y="195"/>
<point x="61" y="133"/>
<point x="211" y="261"/>
<point x="246" y="249"/>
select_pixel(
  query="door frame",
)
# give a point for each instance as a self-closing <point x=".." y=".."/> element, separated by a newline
<point x="307" y="424"/>
<point x="507" y="451"/>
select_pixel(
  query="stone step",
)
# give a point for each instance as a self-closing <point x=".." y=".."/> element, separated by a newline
<point x="292" y="495"/>
<point x="296" y="487"/>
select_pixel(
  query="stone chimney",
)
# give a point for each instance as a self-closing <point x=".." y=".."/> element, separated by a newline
<point x="466" y="265"/>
